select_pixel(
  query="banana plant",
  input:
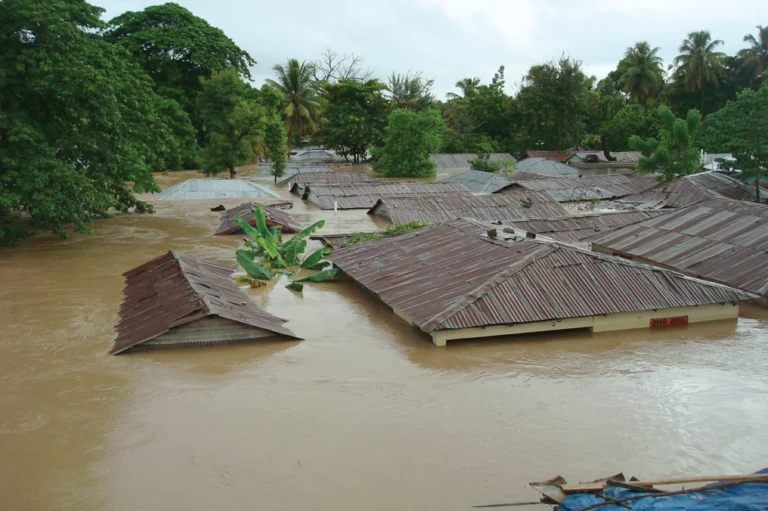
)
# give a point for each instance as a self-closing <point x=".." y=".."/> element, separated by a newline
<point x="265" y="253"/>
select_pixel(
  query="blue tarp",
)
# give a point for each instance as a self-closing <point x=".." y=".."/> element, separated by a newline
<point x="742" y="497"/>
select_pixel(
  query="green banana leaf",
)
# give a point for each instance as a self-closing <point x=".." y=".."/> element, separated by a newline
<point x="291" y="254"/>
<point x="315" y="257"/>
<point x="251" y="254"/>
<point x="261" y="221"/>
<point x="245" y="226"/>
<point x="296" y="286"/>
<point x="272" y="252"/>
<point x="254" y="270"/>
<point x="318" y="266"/>
<point x="319" y="276"/>
<point x="298" y="238"/>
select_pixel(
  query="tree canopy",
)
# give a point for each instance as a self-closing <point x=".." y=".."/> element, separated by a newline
<point x="641" y="72"/>
<point x="700" y="62"/>
<point x="409" y="139"/>
<point x="300" y="104"/>
<point x="674" y="152"/>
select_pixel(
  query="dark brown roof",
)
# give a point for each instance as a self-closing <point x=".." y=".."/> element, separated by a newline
<point x="560" y="156"/>
<point x="588" y="188"/>
<point x="691" y="189"/>
<point x="365" y="195"/>
<point x="721" y="240"/>
<point x="325" y="177"/>
<point x="173" y="290"/>
<point x="454" y="276"/>
<point x="573" y="229"/>
<point x="521" y="205"/>
<point x="273" y="215"/>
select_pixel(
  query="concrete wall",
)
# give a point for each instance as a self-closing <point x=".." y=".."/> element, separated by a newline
<point x="605" y="323"/>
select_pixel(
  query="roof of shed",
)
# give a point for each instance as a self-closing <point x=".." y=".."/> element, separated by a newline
<point x="560" y="156"/>
<point x="174" y="289"/>
<point x="481" y="182"/>
<point x="718" y="239"/>
<point x="274" y="216"/>
<point x="454" y="276"/>
<point x="578" y="228"/>
<point x="327" y="177"/>
<point x="691" y="189"/>
<point x="293" y="169"/>
<point x="546" y="167"/>
<point x="365" y="195"/>
<point x="215" y="189"/>
<point x="587" y="188"/>
<point x="520" y="205"/>
<point x="461" y="160"/>
<point x="631" y="157"/>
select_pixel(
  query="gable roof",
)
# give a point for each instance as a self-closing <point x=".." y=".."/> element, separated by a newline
<point x="291" y="169"/>
<point x="454" y="276"/>
<point x="520" y="205"/>
<point x="587" y="188"/>
<point x="691" y="189"/>
<point x="546" y="167"/>
<point x="578" y="228"/>
<point x="215" y="189"/>
<point x="561" y="156"/>
<point x="173" y="290"/>
<point x="323" y="177"/>
<point x="480" y="182"/>
<point x="718" y="239"/>
<point x="274" y="216"/>
<point x="461" y="160"/>
<point x="626" y="157"/>
<point x="365" y="195"/>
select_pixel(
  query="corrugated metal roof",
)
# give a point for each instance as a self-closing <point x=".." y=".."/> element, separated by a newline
<point x="365" y="195"/>
<point x="560" y="156"/>
<point x="481" y="182"/>
<point x="521" y="205"/>
<point x="573" y="229"/>
<point x="303" y="179"/>
<point x="588" y="188"/>
<point x="531" y="176"/>
<point x="293" y="169"/>
<point x="461" y="160"/>
<point x="717" y="239"/>
<point x="546" y="167"/>
<point x="173" y="290"/>
<point x="215" y="189"/>
<point x="631" y="157"/>
<point x="691" y="189"/>
<point x="274" y="216"/>
<point x="454" y="276"/>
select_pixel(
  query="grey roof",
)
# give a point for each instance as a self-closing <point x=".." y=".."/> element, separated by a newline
<point x="365" y="195"/>
<point x="546" y="167"/>
<point x="215" y="189"/>
<point x="481" y="182"/>
<point x="621" y="156"/>
<point x="691" y="189"/>
<point x="577" y="228"/>
<point x="292" y="170"/>
<point x="461" y="160"/>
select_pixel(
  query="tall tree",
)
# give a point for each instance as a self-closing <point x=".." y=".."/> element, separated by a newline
<point x="276" y="144"/>
<point x="332" y="67"/>
<point x="410" y="137"/>
<point x="467" y="86"/>
<point x="355" y="116"/>
<point x="700" y="63"/>
<point x="296" y="81"/>
<point x="674" y="152"/>
<point x="79" y="119"/>
<point x="641" y="72"/>
<point x="754" y="58"/>
<point x="410" y="91"/>
<point x="177" y="49"/>
<point x="234" y="123"/>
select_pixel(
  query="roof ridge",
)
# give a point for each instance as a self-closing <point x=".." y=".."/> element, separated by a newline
<point x="185" y="267"/>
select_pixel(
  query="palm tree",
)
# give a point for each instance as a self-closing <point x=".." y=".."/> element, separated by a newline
<point x="467" y="87"/>
<point x="300" y="102"/>
<point x="641" y="72"/>
<point x="700" y="62"/>
<point x="754" y="59"/>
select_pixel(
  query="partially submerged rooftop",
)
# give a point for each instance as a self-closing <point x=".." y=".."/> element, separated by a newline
<point x="480" y="182"/>
<point x="586" y="188"/>
<point x="455" y="281"/>
<point x="182" y="300"/>
<point x="215" y="189"/>
<point x="691" y="189"/>
<point x="458" y="161"/>
<point x="304" y="178"/>
<point x="521" y="205"/>
<point x="275" y="216"/>
<point x="722" y="240"/>
<point x="365" y="195"/>
<point x="546" y="167"/>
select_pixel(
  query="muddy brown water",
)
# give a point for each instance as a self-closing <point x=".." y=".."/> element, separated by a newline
<point x="364" y="414"/>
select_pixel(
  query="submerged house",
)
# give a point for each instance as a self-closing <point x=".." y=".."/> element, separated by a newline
<point x="560" y="156"/>
<point x="579" y="189"/>
<point x="365" y="195"/>
<point x="521" y="205"/>
<point x="462" y="161"/>
<point x="689" y="190"/>
<point x="546" y="167"/>
<point x="215" y="189"/>
<point x="181" y="300"/>
<point x="274" y="216"/>
<point x="305" y="178"/>
<point x="456" y="281"/>
<point x="479" y="182"/>
<point x="721" y="240"/>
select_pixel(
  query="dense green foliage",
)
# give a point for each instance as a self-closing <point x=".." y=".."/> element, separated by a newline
<point x="299" y="107"/>
<point x="674" y="151"/>
<point x="640" y="72"/>
<point x="391" y="230"/>
<point x="409" y="139"/>
<point x="276" y="145"/>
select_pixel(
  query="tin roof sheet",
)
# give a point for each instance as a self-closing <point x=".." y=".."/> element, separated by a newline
<point x="520" y="205"/>
<point x="691" y="189"/>
<point x="587" y="188"/>
<point x="578" y="228"/>
<point x="461" y="160"/>
<point x="365" y="195"/>
<point x="173" y="290"/>
<point x="560" y="156"/>
<point x="215" y="189"/>
<point x="716" y="239"/>
<point x="481" y="182"/>
<point x="546" y="167"/>
<point x="454" y="276"/>
<point x="275" y="216"/>
<point x="292" y="169"/>
<point x="326" y="177"/>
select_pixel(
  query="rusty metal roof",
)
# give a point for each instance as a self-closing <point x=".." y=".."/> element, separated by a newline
<point x="546" y="167"/>
<point x="721" y="240"/>
<point x="274" y="215"/>
<point x="691" y="189"/>
<point x="365" y="195"/>
<point x="577" y="228"/>
<point x="325" y="177"/>
<point x="520" y="205"/>
<point x="454" y="276"/>
<point x="560" y="156"/>
<point x="588" y="188"/>
<point x="461" y="160"/>
<point x="173" y="290"/>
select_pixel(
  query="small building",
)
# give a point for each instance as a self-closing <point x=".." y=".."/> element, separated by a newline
<point x="365" y="195"/>
<point x="462" y="161"/>
<point x="460" y="280"/>
<point x="521" y="205"/>
<point x="274" y="215"/>
<point x="559" y="156"/>
<point x="304" y="178"/>
<point x="292" y="169"/>
<point x="479" y="182"/>
<point x="720" y="240"/>
<point x="546" y="167"/>
<point x="215" y="189"/>
<point x="620" y="157"/>
<point x="586" y="188"/>
<point x="689" y="190"/>
<point x="177" y="300"/>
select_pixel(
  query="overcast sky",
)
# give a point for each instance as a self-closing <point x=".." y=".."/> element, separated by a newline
<point x="451" y="39"/>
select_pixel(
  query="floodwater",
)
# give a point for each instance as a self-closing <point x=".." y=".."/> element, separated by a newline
<point x="364" y="414"/>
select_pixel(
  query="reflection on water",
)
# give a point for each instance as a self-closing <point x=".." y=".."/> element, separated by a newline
<point x="364" y="414"/>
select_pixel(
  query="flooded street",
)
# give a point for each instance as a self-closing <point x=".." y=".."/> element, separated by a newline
<point x="366" y="413"/>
